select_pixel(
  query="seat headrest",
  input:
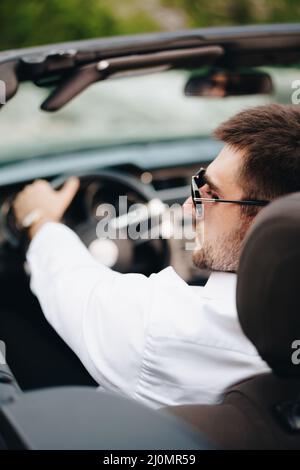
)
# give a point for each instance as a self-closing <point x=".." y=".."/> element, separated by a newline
<point x="268" y="287"/>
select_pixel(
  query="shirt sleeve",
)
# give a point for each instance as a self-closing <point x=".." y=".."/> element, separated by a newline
<point x="101" y="314"/>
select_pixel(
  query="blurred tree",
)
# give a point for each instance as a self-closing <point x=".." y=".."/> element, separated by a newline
<point x="33" y="22"/>
<point x="235" y="12"/>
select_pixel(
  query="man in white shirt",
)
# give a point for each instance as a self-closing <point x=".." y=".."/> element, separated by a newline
<point x="157" y="339"/>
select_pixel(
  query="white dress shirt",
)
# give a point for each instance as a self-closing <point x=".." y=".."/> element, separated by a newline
<point x="154" y="339"/>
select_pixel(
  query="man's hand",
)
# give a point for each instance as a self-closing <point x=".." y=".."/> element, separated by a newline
<point x="40" y="198"/>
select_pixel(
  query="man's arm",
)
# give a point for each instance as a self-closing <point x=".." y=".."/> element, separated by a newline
<point x="102" y="315"/>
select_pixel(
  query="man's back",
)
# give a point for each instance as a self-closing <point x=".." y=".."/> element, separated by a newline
<point x="155" y="339"/>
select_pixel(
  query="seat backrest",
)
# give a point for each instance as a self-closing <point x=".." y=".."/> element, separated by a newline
<point x="263" y="412"/>
<point x="268" y="294"/>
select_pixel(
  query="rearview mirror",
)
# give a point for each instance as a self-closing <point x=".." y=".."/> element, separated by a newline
<point x="222" y="83"/>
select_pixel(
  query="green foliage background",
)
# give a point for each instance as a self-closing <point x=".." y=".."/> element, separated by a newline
<point x="32" y="22"/>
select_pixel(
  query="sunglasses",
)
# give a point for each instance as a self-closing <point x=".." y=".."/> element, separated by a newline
<point x="199" y="180"/>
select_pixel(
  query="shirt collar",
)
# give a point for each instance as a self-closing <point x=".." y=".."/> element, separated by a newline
<point x="221" y="285"/>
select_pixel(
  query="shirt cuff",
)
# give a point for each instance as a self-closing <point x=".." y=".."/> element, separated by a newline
<point x="47" y="234"/>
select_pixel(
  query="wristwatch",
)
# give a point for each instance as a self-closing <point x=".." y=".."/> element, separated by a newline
<point x="31" y="218"/>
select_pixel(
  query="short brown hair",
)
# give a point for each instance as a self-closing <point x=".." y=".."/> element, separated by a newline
<point x="270" y="138"/>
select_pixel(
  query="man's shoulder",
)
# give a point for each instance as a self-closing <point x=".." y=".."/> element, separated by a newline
<point x="219" y="286"/>
<point x="179" y="306"/>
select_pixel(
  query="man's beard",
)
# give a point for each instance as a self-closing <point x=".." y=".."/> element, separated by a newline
<point x="223" y="253"/>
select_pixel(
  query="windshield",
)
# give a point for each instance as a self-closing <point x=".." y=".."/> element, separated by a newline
<point x="145" y="108"/>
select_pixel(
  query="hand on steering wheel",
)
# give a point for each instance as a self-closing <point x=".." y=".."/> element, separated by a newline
<point x="39" y="202"/>
<point x="52" y="200"/>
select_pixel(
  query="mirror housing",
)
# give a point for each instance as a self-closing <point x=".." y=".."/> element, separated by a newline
<point x="222" y="83"/>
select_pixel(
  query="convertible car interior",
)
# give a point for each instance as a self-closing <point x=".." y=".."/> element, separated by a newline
<point x="133" y="116"/>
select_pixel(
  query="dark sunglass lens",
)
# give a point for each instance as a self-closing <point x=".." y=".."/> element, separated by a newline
<point x="200" y="178"/>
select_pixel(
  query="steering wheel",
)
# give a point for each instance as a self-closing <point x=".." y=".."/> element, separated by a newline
<point x="100" y="191"/>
